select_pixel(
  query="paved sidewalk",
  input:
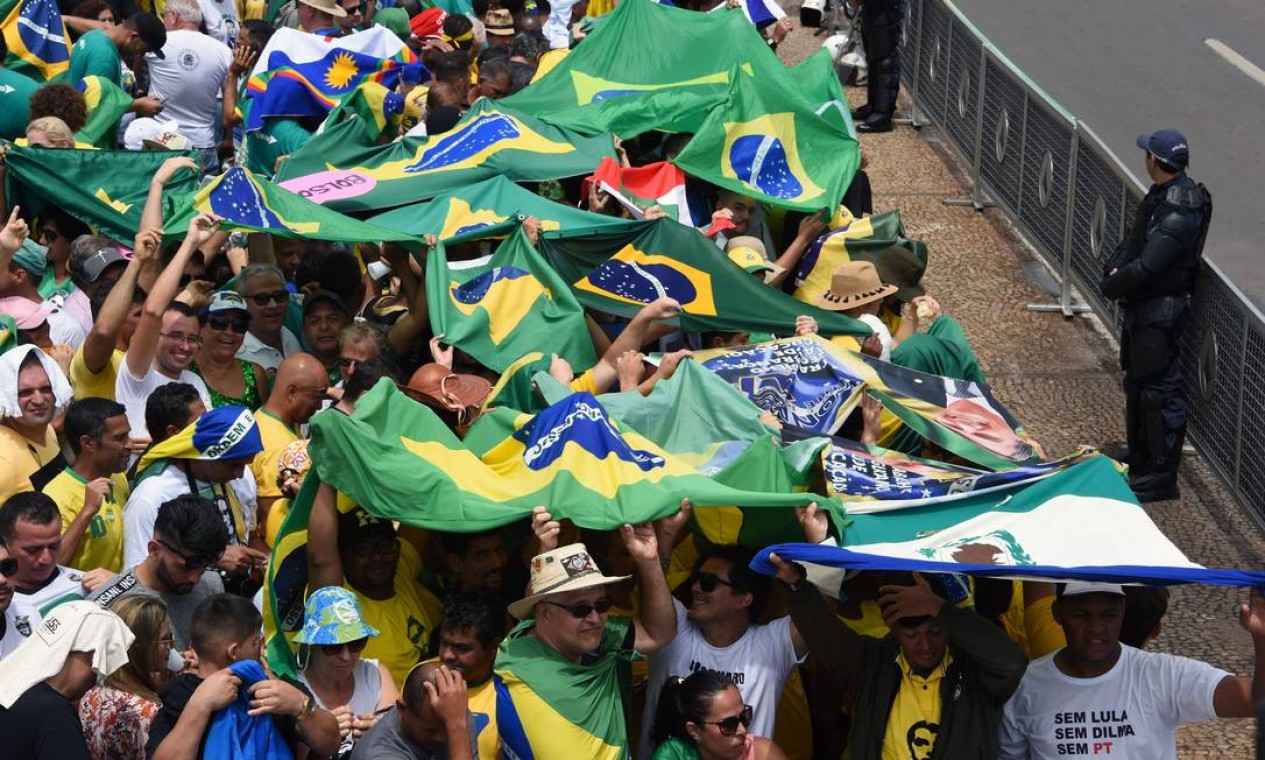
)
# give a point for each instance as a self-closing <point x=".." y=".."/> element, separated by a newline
<point x="1062" y="379"/>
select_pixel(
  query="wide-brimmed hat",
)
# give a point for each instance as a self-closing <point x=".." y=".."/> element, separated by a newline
<point x="439" y="387"/>
<point x="326" y="6"/>
<point x="567" y="568"/>
<point x="854" y="284"/>
<point x="499" y="22"/>
<point x="900" y="267"/>
<point x="333" y="616"/>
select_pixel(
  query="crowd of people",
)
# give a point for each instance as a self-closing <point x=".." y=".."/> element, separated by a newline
<point x="155" y="401"/>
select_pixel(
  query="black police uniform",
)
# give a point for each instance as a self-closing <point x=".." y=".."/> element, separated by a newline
<point x="1152" y="275"/>
<point x="880" y="33"/>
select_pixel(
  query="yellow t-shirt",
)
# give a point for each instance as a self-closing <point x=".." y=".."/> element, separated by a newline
<point x="20" y="458"/>
<point x="84" y="383"/>
<point x="276" y="436"/>
<point x="102" y="543"/>
<point x="915" y="717"/>
<point x="585" y="383"/>
<point x="404" y="621"/>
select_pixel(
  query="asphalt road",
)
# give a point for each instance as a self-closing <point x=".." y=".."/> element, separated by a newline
<point x="1131" y="66"/>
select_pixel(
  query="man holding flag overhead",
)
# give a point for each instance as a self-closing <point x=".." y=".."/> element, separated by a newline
<point x="562" y="673"/>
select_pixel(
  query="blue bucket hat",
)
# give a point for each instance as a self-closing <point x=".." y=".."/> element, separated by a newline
<point x="332" y="616"/>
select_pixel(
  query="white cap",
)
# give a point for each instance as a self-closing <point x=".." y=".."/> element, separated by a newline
<point x="1079" y="588"/>
<point x="151" y="133"/>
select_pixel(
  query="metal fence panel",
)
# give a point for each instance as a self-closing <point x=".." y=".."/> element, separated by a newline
<point x="963" y="83"/>
<point x="1043" y="197"/>
<point x="1212" y="391"/>
<point x="1095" y="221"/>
<point x="1001" y="151"/>
<point x="909" y="41"/>
<point x="1251" y="425"/>
<point x="933" y="60"/>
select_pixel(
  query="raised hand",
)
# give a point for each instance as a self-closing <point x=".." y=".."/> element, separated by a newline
<point x="815" y="523"/>
<point x="805" y="325"/>
<point x="629" y="367"/>
<point x="546" y="529"/>
<point x="439" y="354"/>
<point x="1252" y="614"/>
<point x="146" y="243"/>
<point x="15" y="231"/>
<point x="917" y="600"/>
<point x="640" y="542"/>
<point x="172" y="165"/>
<point x="448" y="696"/>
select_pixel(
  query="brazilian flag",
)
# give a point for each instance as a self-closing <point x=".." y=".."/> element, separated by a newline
<point x="246" y="202"/>
<point x="397" y="460"/>
<point x="622" y="269"/>
<point x="107" y="103"/>
<point x="500" y="307"/>
<point x="849" y="239"/>
<point x="771" y="145"/>
<point x="36" y="37"/>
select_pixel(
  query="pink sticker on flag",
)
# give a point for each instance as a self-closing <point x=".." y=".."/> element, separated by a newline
<point x="330" y="185"/>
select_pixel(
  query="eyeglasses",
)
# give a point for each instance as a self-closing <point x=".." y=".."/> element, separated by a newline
<point x="729" y="726"/>
<point x="191" y="563"/>
<point x="263" y="299"/>
<point x="9" y="567"/>
<point x="581" y="610"/>
<point x="192" y="340"/>
<point x="238" y="324"/>
<point x="355" y="647"/>
<point x="167" y="641"/>
<point x="707" y="582"/>
<point x="49" y="234"/>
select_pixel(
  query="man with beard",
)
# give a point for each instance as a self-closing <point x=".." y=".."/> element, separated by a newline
<point x="717" y="631"/>
<point x="189" y="538"/>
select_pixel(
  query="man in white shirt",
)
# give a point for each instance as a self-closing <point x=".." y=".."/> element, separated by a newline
<point x="30" y="526"/>
<point x="191" y="77"/>
<point x="1099" y="698"/>
<point x="10" y="639"/>
<point x="167" y="334"/>
<point x="717" y="632"/>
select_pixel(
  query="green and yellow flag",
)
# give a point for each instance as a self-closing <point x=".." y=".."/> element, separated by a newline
<point x="107" y="103"/>
<point x="769" y="144"/>
<point x="500" y="307"/>
<point x="36" y="38"/>
<point x="343" y="168"/>
<point x="623" y="269"/>
<point x="851" y="239"/>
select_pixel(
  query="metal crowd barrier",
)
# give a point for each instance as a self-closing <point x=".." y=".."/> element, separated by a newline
<point x="1074" y="200"/>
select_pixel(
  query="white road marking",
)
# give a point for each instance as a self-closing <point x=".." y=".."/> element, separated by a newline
<point x="1236" y="60"/>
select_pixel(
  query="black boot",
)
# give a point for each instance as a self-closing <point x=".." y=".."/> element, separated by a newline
<point x="1155" y="486"/>
<point x="876" y="123"/>
<point x="862" y="113"/>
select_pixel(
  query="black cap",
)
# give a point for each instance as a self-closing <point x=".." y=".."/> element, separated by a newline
<point x="152" y="32"/>
<point x="311" y="300"/>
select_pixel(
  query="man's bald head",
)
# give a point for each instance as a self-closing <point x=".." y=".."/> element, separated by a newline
<point x="298" y="390"/>
<point x="414" y="692"/>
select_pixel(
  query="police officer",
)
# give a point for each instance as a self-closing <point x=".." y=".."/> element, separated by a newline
<point x="880" y="33"/>
<point x="1152" y="275"/>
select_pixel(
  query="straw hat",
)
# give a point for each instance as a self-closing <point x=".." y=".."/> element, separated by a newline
<point x="326" y="6"/>
<point x="499" y="22"/>
<point x="567" y="568"/>
<point x="854" y="284"/>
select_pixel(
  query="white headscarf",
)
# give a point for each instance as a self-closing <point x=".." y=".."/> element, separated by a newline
<point x="881" y="332"/>
<point x="11" y="362"/>
<point x="78" y="626"/>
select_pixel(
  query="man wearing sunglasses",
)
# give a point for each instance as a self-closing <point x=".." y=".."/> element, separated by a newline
<point x="267" y="341"/>
<point x="189" y="539"/>
<point x="568" y="654"/>
<point x="716" y="612"/>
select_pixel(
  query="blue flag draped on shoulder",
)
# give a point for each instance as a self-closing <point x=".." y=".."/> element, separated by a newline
<point x="36" y="37"/>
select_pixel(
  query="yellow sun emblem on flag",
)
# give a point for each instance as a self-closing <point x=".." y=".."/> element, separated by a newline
<point x="342" y="70"/>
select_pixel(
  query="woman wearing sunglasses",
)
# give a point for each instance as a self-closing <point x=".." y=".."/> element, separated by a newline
<point x="229" y="380"/>
<point x="355" y="690"/>
<point x="702" y="717"/>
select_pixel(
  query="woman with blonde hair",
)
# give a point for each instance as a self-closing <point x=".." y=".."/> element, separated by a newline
<point x="49" y="132"/>
<point x="116" y="715"/>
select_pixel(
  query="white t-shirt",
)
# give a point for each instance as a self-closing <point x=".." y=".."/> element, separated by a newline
<point x="142" y="507"/>
<point x="133" y="393"/>
<point x="221" y="21"/>
<point x="1130" y="712"/>
<point x="12" y="638"/>
<point x="255" y="350"/>
<point x="191" y="80"/>
<point x="758" y="663"/>
<point x="29" y="609"/>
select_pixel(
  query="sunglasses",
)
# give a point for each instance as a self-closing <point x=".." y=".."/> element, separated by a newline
<point x="263" y="299"/>
<point x="348" y="363"/>
<point x="708" y="582"/>
<point x="191" y="563"/>
<point x="49" y="234"/>
<point x="729" y="726"/>
<point x="238" y="324"/>
<point x="355" y="647"/>
<point x="581" y="610"/>
<point x="9" y="567"/>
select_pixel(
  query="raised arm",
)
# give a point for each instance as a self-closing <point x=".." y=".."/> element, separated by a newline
<point x="14" y="233"/>
<point x="403" y="335"/>
<point x="634" y="336"/>
<point x="656" y="623"/>
<point x="98" y="347"/>
<point x="152" y="214"/>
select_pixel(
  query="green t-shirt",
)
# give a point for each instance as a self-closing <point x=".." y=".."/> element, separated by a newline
<point x="279" y="137"/>
<point x="94" y="53"/>
<point x="15" y="92"/>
